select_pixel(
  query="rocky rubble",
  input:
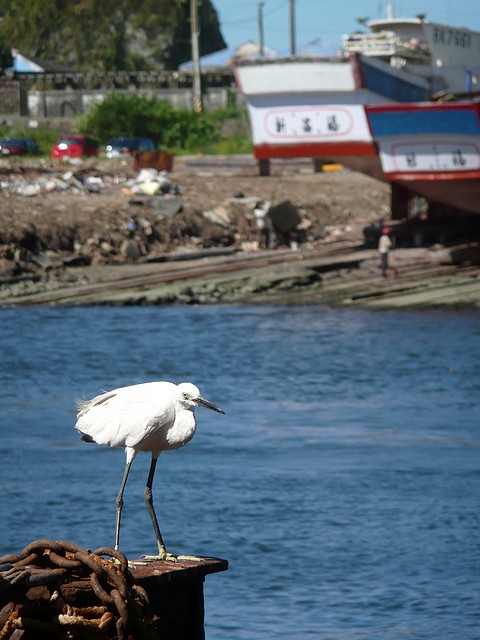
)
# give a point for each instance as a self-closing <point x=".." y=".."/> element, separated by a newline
<point x="103" y="212"/>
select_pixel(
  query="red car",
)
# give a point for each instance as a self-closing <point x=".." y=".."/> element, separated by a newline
<point x="74" y="147"/>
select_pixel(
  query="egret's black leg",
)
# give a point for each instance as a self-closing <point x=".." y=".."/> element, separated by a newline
<point x="119" y="503"/>
<point x="149" y="500"/>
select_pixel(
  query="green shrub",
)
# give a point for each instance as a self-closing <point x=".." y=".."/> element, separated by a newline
<point x="132" y="115"/>
<point x="178" y="130"/>
<point x="229" y="112"/>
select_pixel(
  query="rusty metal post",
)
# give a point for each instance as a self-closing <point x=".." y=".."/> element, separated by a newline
<point x="57" y="589"/>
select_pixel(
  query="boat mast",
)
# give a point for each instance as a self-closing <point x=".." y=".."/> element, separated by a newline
<point x="390" y="15"/>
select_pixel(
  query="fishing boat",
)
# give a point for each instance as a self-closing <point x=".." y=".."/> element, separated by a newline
<point x="375" y="105"/>
<point x="296" y="103"/>
<point x="429" y="149"/>
<point x="446" y="58"/>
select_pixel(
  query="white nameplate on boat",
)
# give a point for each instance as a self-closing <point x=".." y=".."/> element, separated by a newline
<point x="284" y="125"/>
<point x="407" y="155"/>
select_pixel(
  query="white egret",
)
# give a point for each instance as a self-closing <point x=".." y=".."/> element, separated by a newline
<point x="155" y="417"/>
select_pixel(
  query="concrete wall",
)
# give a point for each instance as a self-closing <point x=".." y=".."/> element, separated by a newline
<point x="13" y="98"/>
<point x="68" y="104"/>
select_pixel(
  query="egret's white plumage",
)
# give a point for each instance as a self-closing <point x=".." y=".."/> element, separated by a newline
<point x="154" y="416"/>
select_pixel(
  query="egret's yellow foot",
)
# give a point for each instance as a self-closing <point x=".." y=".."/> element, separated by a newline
<point x="191" y="558"/>
<point x="163" y="555"/>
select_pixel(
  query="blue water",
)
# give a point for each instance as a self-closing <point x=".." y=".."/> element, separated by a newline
<point x="343" y="483"/>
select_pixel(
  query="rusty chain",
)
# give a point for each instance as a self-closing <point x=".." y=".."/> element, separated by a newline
<point x="44" y="567"/>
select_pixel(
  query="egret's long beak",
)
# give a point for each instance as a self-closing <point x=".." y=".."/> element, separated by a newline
<point x="202" y="402"/>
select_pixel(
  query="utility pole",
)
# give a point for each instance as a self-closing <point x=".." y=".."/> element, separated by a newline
<point x="197" y="91"/>
<point x="260" y="27"/>
<point x="293" y="48"/>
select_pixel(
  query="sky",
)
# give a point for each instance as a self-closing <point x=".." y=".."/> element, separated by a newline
<point x="328" y="21"/>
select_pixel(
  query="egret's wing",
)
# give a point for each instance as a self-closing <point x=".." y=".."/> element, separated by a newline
<point x="125" y="416"/>
<point x="85" y="405"/>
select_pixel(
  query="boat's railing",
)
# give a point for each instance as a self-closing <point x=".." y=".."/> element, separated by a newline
<point x="385" y="44"/>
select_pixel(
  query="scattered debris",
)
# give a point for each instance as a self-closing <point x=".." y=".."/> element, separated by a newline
<point x="285" y="217"/>
<point x="98" y="213"/>
<point x="219" y="215"/>
<point x="150" y="182"/>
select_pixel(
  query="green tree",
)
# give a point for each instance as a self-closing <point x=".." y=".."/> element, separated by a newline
<point x="6" y="59"/>
<point x="105" y="35"/>
<point x="30" y="24"/>
<point x="210" y="38"/>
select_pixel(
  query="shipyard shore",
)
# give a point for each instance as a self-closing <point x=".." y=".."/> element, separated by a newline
<point x="193" y="245"/>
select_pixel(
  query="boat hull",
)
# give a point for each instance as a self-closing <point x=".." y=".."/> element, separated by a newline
<point x="330" y="111"/>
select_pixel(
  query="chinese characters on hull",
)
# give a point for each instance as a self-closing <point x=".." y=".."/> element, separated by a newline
<point x="439" y="156"/>
<point x="309" y="123"/>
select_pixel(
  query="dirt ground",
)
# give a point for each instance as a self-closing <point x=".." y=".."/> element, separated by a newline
<point x="99" y="232"/>
<point x="82" y="213"/>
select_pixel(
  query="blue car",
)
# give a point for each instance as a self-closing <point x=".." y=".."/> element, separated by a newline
<point x="127" y="146"/>
<point x="18" y="147"/>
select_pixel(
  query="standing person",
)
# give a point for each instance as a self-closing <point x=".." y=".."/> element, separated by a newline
<point x="384" y="246"/>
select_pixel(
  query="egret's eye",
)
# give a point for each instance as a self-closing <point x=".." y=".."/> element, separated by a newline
<point x="185" y="395"/>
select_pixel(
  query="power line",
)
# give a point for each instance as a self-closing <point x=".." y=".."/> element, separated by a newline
<point x="267" y="12"/>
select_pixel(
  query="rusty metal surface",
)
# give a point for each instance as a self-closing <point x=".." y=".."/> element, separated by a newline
<point x="57" y="589"/>
<point x="161" y="571"/>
